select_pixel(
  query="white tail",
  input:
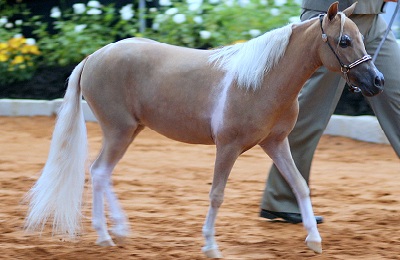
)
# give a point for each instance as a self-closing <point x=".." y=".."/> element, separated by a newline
<point x="57" y="194"/>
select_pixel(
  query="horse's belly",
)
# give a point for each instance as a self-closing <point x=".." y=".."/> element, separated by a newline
<point x="181" y="128"/>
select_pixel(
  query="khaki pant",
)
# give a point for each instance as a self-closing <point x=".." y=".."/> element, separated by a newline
<point x="318" y="100"/>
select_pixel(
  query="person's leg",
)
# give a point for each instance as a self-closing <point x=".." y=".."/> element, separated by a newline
<point x="317" y="101"/>
<point x="386" y="105"/>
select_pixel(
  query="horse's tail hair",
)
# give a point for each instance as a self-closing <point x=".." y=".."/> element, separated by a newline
<point x="57" y="194"/>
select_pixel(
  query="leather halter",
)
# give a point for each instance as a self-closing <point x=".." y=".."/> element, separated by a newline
<point x="344" y="68"/>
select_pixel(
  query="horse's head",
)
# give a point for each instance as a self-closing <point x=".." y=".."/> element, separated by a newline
<point x="345" y="52"/>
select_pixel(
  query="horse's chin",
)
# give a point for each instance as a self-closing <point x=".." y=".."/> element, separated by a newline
<point x="370" y="92"/>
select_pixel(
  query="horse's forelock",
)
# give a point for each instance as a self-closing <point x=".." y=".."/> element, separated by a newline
<point x="249" y="61"/>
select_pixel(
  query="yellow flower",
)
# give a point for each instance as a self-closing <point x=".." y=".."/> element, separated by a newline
<point x="3" y="45"/>
<point x="3" y="57"/>
<point x="18" y="59"/>
<point x="15" y="43"/>
<point x="32" y="49"/>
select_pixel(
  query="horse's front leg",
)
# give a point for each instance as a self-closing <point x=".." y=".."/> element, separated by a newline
<point x="280" y="154"/>
<point x="225" y="159"/>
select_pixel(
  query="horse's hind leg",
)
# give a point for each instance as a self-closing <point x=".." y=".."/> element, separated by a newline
<point x="280" y="154"/>
<point x="115" y="142"/>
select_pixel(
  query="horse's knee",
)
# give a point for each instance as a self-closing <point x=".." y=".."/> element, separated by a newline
<point x="216" y="199"/>
<point x="301" y="190"/>
<point x="299" y="186"/>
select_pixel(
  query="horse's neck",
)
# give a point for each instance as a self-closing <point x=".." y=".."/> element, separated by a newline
<point x="300" y="61"/>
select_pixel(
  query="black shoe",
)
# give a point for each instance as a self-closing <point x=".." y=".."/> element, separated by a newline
<point x="288" y="217"/>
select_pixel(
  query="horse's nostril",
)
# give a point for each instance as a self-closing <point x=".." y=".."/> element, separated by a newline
<point x="379" y="81"/>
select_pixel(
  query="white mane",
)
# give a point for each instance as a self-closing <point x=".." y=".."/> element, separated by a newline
<point x="248" y="62"/>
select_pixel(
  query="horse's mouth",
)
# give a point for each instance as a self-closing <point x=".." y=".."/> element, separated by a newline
<point x="353" y="89"/>
<point x="370" y="93"/>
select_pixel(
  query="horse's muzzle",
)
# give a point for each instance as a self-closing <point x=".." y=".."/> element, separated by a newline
<point x="377" y="86"/>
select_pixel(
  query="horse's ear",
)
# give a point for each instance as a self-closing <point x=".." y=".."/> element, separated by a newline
<point x="349" y="10"/>
<point x="333" y="10"/>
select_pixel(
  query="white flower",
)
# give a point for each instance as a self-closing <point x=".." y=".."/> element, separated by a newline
<point x="80" y="27"/>
<point x="205" y="35"/>
<point x="94" y="11"/>
<point x="153" y="9"/>
<point x="194" y="7"/>
<point x="280" y="2"/>
<point x="30" y="41"/>
<point x="229" y="2"/>
<point x="79" y="8"/>
<point x="9" y="25"/>
<point x="263" y="2"/>
<point x="275" y="12"/>
<point x="213" y="2"/>
<point x="179" y="18"/>
<point x="155" y="26"/>
<point x="172" y="11"/>
<point x="165" y="2"/>
<point x="254" y="32"/>
<point x="18" y="35"/>
<point x="3" y="20"/>
<point x="194" y="1"/>
<point x="160" y="18"/>
<point x="55" y="12"/>
<point x="198" y="19"/>
<point x="243" y="3"/>
<point x="127" y="12"/>
<point x="294" y="19"/>
<point x="18" y="22"/>
<point x="94" y="4"/>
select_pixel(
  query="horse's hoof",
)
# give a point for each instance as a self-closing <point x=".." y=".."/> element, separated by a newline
<point x="107" y="242"/>
<point x="120" y="233"/>
<point x="213" y="253"/>
<point x="120" y="240"/>
<point x="315" y="246"/>
<point x="120" y="230"/>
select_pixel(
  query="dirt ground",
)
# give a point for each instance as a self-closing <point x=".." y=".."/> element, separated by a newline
<point x="163" y="186"/>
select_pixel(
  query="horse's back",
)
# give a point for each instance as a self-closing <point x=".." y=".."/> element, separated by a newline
<point x="167" y="88"/>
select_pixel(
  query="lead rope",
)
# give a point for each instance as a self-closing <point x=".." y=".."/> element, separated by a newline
<point x="387" y="32"/>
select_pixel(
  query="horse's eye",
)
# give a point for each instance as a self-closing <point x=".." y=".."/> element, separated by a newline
<point x="345" y="41"/>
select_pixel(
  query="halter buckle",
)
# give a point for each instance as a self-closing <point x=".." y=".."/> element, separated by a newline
<point x="344" y="69"/>
<point x="324" y="37"/>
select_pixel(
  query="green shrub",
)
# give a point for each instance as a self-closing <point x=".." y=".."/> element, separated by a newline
<point x="18" y="55"/>
<point x="195" y="23"/>
<point x="79" y="31"/>
<point x="82" y="30"/>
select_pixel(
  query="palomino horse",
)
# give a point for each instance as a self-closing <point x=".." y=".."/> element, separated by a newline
<point x="234" y="97"/>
